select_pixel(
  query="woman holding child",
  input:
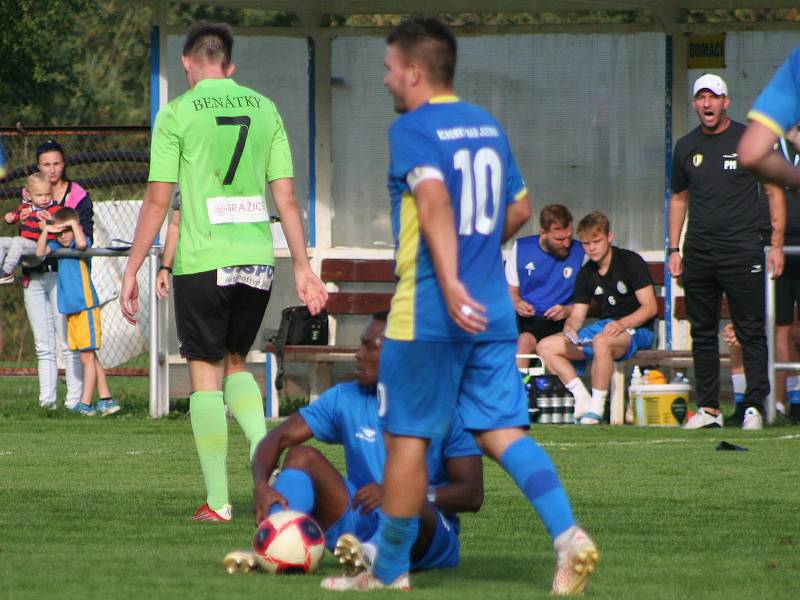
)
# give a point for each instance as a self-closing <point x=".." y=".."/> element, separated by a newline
<point x="40" y="283"/>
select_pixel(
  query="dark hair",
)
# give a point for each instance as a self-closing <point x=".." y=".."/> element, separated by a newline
<point x="65" y="214"/>
<point x="595" y="221"/>
<point x="49" y="146"/>
<point x="212" y="42"/>
<point x="554" y="214"/>
<point x="380" y="316"/>
<point x="430" y="41"/>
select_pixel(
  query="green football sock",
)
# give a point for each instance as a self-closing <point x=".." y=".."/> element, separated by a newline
<point x="243" y="397"/>
<point x="210" y="427"/>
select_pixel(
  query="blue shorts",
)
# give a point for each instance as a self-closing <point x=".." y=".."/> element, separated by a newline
<point x="445" y="548"/>
<point x="642" y="338"/>
<point x="353" y="522"/>
<point x="423" y="383"/>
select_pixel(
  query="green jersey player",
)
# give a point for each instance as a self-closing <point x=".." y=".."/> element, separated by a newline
<point x="221" y="142"/>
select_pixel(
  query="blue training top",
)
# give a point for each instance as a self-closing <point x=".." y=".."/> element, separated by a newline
<point x="778" y="105"/>
<point x="347" y="414"/>
<point x="76" y="292"/>
<point x="544" y="279"/>
<point x="466" y="148"/>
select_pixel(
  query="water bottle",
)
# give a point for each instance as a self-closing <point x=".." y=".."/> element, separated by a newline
<point x="636" y="381"/>
<point x="677" y="378"/>
<point x="558" y="407"/>
<point x="569" y="407"/>
<point x="545" y="408"/>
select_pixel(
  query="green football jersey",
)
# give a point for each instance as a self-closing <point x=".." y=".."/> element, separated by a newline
<point x="221" y="142"/>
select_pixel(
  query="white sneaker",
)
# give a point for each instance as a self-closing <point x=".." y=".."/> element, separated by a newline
<point x="577" y="560"/>
<point x="581" y="408"/>
<point x="364" y="582"/>
<point x="703" y="420"/>
<point x="752" y="419"/>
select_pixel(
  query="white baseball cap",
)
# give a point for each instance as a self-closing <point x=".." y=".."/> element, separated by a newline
<point x="713" y="83"/>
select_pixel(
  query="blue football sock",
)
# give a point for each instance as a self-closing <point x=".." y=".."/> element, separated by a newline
<point x="535" y="474"/>
<point x="395" y="537"/>
<point x="296" y="487"/>
<point x="738" y="398"/>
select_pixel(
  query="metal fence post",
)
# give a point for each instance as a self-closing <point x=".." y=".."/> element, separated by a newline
<point x="155" y="403"/>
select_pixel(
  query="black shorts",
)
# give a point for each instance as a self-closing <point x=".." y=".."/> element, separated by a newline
<point x="213" y="320"/>
<point x="787" y="291"/>
<point x="539" y="327"/>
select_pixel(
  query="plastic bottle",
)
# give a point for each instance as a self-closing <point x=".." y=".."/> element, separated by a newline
<point x="636" y="381"/>
<point x="677" y="378"/>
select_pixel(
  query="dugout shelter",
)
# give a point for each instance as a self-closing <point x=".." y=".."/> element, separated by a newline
<point x="593" y="95"/>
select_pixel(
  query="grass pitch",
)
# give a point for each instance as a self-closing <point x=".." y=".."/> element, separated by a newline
<point x="99" y="508"/>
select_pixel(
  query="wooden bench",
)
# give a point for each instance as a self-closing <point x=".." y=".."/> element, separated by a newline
<point x="334" y="273"/>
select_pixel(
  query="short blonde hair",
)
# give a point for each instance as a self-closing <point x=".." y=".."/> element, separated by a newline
<point x="595" y="221"/>
<point x="37" y="178"/>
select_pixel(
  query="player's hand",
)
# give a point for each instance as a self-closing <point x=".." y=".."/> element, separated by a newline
<point x="729" y="336"/>
<point x="9" y="218"/>
<point x="556" y="313"/>
<point x="367" y="498"/>
<point x="524" y="309"/>
<point x="675" y="264"/>
<point x="311" y="290"/>
<point x="793" y="136"/>
<point x="570" y="334"/>
<point x="775" y="260"/>
<point x="613" y="328"/>
<point x="129" y="297"/>
<point x="467" y="314"/>
<point x="162" y="284"/>
<point x="264" y="496"/>
<point x="23" y="214"/>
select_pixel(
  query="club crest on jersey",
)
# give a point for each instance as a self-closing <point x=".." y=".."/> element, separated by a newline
<point x="622" y="288"/>
<point x="598" y="291"/>
<point x="612" y="301"/>
<point x="530" y="268"/>
<point x="567" y="272"/>
<point x="697" y="159"/>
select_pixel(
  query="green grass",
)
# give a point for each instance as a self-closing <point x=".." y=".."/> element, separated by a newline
<point x="99" y="508"/>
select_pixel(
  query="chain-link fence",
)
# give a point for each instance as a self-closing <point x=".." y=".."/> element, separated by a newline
<point x="111" y="164"/>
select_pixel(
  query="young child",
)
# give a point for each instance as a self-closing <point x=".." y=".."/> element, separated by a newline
<point x="78" y="300"/>
<point x="37" y="206"/>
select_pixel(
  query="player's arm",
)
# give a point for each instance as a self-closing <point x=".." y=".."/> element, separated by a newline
<point x="168" y="256"/>
<point x="678" y="205"/>
<point x="310" y="289"/>
<point x="576" y="319"/>
<point x="151" y="216"/>
<point x="464" y="490"/>
<point x="437" y="224"/>
<point x="777" y="218"/>
<point x="292" y="432"/>
<point x="757" y="153"/>
<point x="648" y="309"/>
<point x="517" y="214"/>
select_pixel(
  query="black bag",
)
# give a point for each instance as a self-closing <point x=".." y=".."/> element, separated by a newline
<point x="298" y="328"/>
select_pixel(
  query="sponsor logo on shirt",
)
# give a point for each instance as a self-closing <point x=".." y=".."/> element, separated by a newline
<point x="567" y="272"/>
<point x="697" y="159"/>
<point x="254" y="276"/>
<point x="598" y="291"/>
<point x="366" y="434"/>
<point x="622" y="288"/>
<point x="237" y="209"/>
<point x="755" y="269"/>
<point x="730" y="163"/>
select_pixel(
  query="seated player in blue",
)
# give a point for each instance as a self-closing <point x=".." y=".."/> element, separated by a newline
<point x="619" y="282"/>
<point x="541" y="271"/>
<point x="345" y="507"/>
<point x="775" y="113"/>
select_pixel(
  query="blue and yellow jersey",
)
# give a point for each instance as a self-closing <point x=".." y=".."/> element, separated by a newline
<point x="466" y="148"/>
<point x="75" y="290"/>
<point x="778" y="105"/>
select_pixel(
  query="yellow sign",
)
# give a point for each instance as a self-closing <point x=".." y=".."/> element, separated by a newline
<point x="706" y="52"/>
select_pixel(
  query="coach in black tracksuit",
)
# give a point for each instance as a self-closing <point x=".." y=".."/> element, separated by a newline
<point x="723" y="250"/>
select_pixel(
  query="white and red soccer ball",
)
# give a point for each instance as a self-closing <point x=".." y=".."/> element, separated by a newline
<point x="289" y="542"/>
